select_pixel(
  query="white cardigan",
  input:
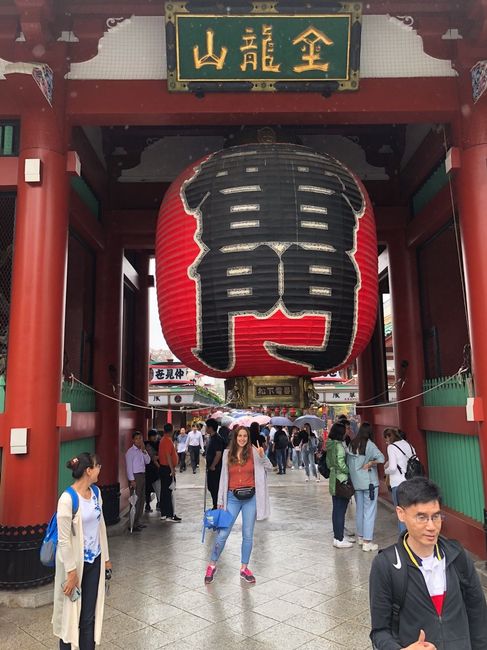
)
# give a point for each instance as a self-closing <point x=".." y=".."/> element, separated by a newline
<point x="69" y="556"/>
<point x="261" y="465"/>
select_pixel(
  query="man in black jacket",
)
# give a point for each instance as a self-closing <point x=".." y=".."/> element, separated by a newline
<point x="424" y="591"/>
<point x="214" y="452"/>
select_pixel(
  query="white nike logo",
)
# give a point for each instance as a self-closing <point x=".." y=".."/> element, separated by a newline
<point x="398" y="563"/>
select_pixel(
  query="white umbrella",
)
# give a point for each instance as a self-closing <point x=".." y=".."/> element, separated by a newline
<point x="244" y="420"/>
<point x="280" y="421"/>
<point x="313" y="420"/>
<point x="227" y="421"/>
<point x="133" y="501"/>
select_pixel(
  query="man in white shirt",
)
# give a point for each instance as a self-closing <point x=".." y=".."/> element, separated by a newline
<point x="194" y="443"/>
<point x="136" y="459"/>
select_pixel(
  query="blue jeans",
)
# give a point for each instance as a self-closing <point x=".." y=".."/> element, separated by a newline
<point x="249" y="515"/>
<point x="309" y="462"/>
<point x="366" y="513"/>
<point x="400" y="525"/>
<point x="281" y="459"/>
<point x="296" y="458"/>
<point x="338" y="516"/>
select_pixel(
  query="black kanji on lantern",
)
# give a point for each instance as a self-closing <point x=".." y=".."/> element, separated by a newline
<point x="276" y="228"/>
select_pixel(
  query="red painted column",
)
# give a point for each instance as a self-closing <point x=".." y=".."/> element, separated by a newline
<point x="407" y="336"/>
<point x="365" y="379"/>
<point x="36" y="323"/>
<point x="142" y="342"/>
<point x="108" y="354"/>
<point x="471" y="193"/>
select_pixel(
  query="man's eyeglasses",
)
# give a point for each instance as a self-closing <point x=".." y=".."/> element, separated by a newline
<point x="423" y="519"/>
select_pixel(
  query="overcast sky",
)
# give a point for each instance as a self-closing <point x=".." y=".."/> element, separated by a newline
<point x="156" y="339"/>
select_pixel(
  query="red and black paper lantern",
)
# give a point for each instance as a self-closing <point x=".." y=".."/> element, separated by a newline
<point x="266" y="263"/>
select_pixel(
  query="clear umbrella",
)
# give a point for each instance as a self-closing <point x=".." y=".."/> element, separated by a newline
<point x="133" y="501"/>
<point x="313" y="420"/>
<point x="280" y="421"/>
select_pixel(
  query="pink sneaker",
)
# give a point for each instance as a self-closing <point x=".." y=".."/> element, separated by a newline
<point x="210" y="574"/>
<point x="248" y="576"/>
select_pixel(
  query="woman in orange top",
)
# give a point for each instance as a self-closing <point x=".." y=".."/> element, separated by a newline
<point x="243" y="488"/>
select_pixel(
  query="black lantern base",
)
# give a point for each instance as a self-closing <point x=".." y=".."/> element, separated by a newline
<point x="20" y="566"/>
<point x="111" y="503"/>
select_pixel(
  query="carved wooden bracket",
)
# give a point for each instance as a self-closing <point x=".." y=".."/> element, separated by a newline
<point x="36" y="17"/>
<point x="41" y="27"/>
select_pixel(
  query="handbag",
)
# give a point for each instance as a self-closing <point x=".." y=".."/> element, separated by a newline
<point x="344" y="489"/>
<point x="244" y="493"/>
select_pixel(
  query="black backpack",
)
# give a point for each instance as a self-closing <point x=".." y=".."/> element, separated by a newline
<point x="414" y="467"/>
<point x="323" y="468"/>
<point x="281" y="440"/>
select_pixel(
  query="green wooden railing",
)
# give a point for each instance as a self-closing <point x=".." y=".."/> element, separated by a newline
<point x="454" y="459"/>
<point x="81" y="399"/>
<point x="67" y="451"/>
<point x="454" y="464"/>
<point x="449" y="391"/>
<point x="430" y="188"/>
<point x="9" y="138"/>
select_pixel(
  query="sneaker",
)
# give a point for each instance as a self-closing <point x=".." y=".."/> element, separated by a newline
<point x="210" y="574"/>
<point x="370" y="546"/>
<point x="163" y="518"/>
<point x="248" y="576"/>
<point x="174" y="518"/>
<point x="343" y="544"/>
<point x="352" y="540"/>
<point x="360" y="540"/>
<point x="306" y="479"/>
<point x="148" y="509"/>
<point x="318" y="479"/>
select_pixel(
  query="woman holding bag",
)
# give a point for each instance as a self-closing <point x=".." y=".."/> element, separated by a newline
<point x="243" y="488"/>
<point x="362" y="458"/>
<point x="81" y="560"/>
<point x="340" y="489"/>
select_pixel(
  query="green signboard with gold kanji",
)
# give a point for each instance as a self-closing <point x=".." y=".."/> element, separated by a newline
<point x="263" y="49"/>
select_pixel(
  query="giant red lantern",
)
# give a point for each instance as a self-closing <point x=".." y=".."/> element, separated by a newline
<point x="266" y="262"/>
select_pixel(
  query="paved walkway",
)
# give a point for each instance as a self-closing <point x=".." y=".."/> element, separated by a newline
<point x="308" y="595"/>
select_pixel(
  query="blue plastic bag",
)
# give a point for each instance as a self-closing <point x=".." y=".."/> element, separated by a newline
<point x="215" y="519"/>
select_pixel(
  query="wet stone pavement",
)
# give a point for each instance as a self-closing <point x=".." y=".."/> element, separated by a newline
<point x="308" y="595"/>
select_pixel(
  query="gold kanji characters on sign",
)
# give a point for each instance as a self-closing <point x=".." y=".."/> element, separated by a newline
<point x="249" y="50"/>
<point x="312" y="40"/>
<point x="210" y="58"/>
<point x="268" y="64"/>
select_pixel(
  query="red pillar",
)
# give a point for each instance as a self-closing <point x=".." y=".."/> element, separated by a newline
<point x="471" y="191"/>
<point x="107" y="354"/>
<point x="407" y="336"/>
<point x="365" y="379"/>
<point x="36" y="323"/>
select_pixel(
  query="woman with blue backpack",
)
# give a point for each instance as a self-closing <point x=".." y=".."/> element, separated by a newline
<point x="82" y="559"/>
